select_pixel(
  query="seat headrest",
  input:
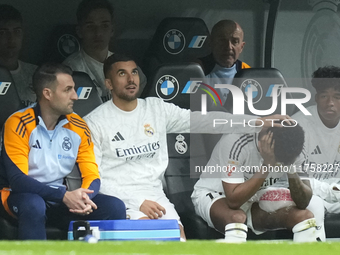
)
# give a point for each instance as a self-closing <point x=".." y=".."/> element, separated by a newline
<point x="169" y="81"/>
<point x="62" y="43"/>
<point x="177" y="40"/>
<point x="88" y="98"/>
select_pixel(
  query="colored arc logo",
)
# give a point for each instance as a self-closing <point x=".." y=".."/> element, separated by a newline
<point x="209" y="93"/>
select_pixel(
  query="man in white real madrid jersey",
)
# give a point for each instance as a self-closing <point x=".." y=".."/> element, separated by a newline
<point x="322" y="131"/>
<point x="253" y="191"/>
<point x="129" y="136"/>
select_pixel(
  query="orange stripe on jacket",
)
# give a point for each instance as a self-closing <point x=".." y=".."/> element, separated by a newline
<point x="86" y="159"/>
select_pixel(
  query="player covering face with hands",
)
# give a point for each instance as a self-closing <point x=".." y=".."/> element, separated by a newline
<point x="264" y="189"/>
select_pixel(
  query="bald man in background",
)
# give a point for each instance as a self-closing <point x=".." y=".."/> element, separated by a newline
<point x="222" y="64"/>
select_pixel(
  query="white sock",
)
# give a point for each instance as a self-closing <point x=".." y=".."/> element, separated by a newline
<point x="316" y="206"/>
<point x="305" y="231"/>
<point x="236" y="233"/>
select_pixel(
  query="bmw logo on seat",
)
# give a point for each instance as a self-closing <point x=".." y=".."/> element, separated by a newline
<point x="174" y="41"/>
<point x="67" y="45"/>
<point x="167" y="87"/>
<point x="255" y="87"/>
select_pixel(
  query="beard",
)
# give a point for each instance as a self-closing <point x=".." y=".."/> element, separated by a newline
<point x="126" y="97"/>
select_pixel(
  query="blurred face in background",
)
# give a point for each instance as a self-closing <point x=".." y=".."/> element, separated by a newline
<point x="11" y="36"/>
<point x="96" y="30"/>
<point x="328" y="105"/>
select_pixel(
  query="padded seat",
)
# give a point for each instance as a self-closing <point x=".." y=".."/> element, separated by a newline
<point x="176" y="40"/>
<point x="169" y="80"/>
<point x="62" y="43"/>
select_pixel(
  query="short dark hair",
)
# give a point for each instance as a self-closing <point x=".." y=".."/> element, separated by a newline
<point x="8" y="12"/>
<point x="288" y="143"/>
<point x="86" y="6"/>
<point x="326" y="77"/>
<point x="113" y="59"/>
<point x="46" y="75"/>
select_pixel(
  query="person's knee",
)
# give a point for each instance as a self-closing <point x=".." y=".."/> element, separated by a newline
<point x="119" y="207"/>
<point x="301" y="215"/>
<point x="114" y="207"/>
<point x="238" y="216"/>
<point x="32" y="207"/>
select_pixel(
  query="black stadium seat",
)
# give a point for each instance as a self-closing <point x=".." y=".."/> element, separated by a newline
<point x="176" y="40"/>
<point x="169" y="80"/>
<point x="62" y="42"/>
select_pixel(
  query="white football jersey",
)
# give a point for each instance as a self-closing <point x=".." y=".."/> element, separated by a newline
<point x="322" y="145"/>
<point x="235" y="159"/>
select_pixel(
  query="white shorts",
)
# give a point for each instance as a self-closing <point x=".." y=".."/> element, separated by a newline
<point x="204" y="199"/>
<point x="170" y="212"/>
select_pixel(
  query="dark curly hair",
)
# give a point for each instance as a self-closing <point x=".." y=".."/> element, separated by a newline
<point x="325" y="78"/>
<point x="288" y="143"/>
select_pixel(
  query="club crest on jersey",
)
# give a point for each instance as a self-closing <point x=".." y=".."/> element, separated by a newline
<point x="181" y="146"/>
<point x="148" y="130"/>
<point x="66" y="145"/>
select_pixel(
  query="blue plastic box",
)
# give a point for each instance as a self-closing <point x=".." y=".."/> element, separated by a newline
<point x="161" y="230"/>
